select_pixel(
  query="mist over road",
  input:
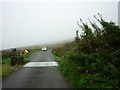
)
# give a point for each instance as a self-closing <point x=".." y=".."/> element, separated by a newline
<point x="37" y="77"/>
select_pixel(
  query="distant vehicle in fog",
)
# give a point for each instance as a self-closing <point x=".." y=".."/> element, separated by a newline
<point x="44" y="49"/>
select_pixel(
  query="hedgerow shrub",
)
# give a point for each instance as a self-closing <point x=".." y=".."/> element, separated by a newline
<point x="95" y="60"/>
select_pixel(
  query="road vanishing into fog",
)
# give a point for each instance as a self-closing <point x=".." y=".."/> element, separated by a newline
<point x="36" y="75"/>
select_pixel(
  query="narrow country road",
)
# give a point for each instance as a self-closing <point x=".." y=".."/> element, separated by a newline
<point x="35" y="76"/>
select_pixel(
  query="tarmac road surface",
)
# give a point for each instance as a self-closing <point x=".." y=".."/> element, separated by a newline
<point x="37" y="75"/>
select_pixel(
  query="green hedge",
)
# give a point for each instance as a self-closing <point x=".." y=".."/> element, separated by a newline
<point x="94" y="60"/>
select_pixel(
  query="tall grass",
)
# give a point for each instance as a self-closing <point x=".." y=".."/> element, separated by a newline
<point x="6" y="70"/>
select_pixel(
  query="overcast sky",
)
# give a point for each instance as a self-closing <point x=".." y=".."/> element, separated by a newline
<point x="31" y="23"/>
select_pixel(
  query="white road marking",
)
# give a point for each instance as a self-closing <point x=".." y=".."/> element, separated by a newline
<point x="41" y="64"/>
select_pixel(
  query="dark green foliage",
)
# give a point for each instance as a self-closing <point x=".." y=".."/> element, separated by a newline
<point x="95" y="61"/>
<point x="77" y="37"/>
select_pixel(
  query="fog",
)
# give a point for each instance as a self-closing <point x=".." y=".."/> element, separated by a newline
<point x="35" y="23"/>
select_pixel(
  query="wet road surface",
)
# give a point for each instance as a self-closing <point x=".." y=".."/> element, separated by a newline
<point x="37" y="77"/>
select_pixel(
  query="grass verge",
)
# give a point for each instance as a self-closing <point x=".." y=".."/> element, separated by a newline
<point x="7" y="69"/>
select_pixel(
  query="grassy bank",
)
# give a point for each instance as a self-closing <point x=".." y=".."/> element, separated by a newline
<point x="7" y="69"/>
<point x="93" y="60"/>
